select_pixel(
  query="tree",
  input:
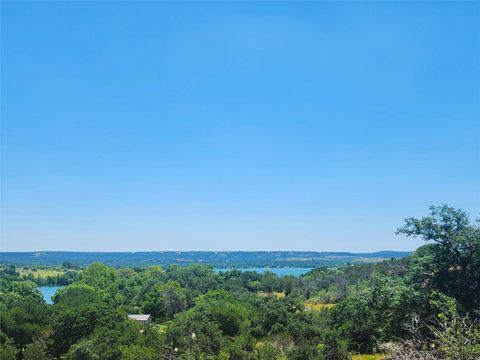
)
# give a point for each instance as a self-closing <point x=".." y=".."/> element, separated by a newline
<point x="219" y="307"/>
<point x="272" y="316"/>
<point x="84" y="350"/>
<point x="165" y="300"/>
<point x="8" y="351"/>
<point x="76" y="295"/>
<point x="70" y="324"/>
<point x="136" y="352"/>
<point x="99" y="276"/>
<point x="215" y="323"/>
<point x="24" y="321"/>
<point x="196" y="279"/>
<point x="377" y="311"/>
<point x="68" y="265"/>
<point x="334" y="347"/>
<point x="35" y="351"/>
<point x="355" y="320"/>
<point x="266" y="351"/>
<point x="10" y="270"/>
<point x="457" y="336"/>
<point x="451" y="261"/>
<point x="192" y="332"/>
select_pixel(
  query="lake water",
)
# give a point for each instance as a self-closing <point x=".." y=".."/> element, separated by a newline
<point x="48" y="292"/>
<point x="277" y="271"/>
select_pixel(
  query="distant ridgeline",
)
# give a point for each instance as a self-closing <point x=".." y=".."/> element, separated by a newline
<point x="222" y="259"/>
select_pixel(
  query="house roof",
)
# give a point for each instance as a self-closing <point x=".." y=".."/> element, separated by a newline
<point x="139" y="317"/>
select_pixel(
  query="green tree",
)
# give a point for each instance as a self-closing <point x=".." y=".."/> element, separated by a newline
<point x="99" y="276"/>
<point x="7" y="351"/>
<point x="196" y="279"/>
<point x="355" y="320"/>
<point x="84" y="350"/>
<point x="35" y="351"/>
<point x="272" y="316"/>
<point x="377" y="311"/>
<point x="451" y="261"/>
<point x="458" y="337"/>
<point x="24" y="320"/>
<point x="304" y="352"/>
<point x="70" y="324"/>
<point x="136" y="352"/>
<point x="215" y="323"/>
<point x="10" y="270"/>
<point x="165" y="300"/>
<point x="266" y="351"/>
<point x="334" y="347"/>
<point x="76" y="295"/>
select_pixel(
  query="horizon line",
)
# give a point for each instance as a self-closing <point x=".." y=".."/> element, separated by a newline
<point x="199" y="251"/>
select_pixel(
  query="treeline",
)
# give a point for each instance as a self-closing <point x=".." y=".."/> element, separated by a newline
<point x="426" y="306"/>
<point x="225" y="259"/>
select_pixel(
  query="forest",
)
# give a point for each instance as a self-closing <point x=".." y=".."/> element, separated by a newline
<point x="218" y="259"/>
<point x="423" y="306"/>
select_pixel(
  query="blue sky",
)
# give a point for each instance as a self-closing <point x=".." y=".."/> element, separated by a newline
<point x="235" y="126"/>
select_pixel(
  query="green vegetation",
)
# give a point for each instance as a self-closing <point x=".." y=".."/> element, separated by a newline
<point x="43" y="275"/>
<point x="221" y="260"/>
<point x="425" y="306"/>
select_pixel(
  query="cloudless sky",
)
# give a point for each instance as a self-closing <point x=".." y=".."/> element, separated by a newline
<point x="235" y="126"/>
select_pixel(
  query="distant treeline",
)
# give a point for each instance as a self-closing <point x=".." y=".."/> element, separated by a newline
<point x="232" y="259"/>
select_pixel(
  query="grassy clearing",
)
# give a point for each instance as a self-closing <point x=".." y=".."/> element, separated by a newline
<point x="278" y="295"/>
<point x="369" y="357"/>
<point x="40" y="273"/>
<point x="317" y="307"/>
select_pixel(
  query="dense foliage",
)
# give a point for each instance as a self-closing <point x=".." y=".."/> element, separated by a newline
<point x="426" y="306"/>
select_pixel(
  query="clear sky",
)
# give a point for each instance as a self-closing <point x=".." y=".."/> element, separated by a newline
<point x="235" y="126"/>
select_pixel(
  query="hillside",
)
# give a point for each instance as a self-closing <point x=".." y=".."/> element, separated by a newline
<point x="217" y="259"/>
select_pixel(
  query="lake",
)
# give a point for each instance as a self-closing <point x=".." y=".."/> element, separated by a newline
<point x="278" y="271"/>
<point x="48" y="292"/>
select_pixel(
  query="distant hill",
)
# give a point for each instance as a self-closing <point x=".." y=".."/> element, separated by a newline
<point x="219" y="259"/>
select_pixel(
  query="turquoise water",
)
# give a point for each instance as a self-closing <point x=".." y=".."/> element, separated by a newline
<point x="48" y="292"/>
<point x="277" y="271"/>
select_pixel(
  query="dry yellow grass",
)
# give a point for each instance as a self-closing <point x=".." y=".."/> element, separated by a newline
<point x="162" y="328"/>
<point x="369" y="357"/>
<point x="277" y="294"/>
<point x="317" y="307"/>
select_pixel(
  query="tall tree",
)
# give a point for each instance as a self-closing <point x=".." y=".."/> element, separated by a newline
<point x="165" y="300"/>
<point x="451" y="261"/>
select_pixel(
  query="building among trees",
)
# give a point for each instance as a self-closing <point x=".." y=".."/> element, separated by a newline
<point x="145" y="319"/>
